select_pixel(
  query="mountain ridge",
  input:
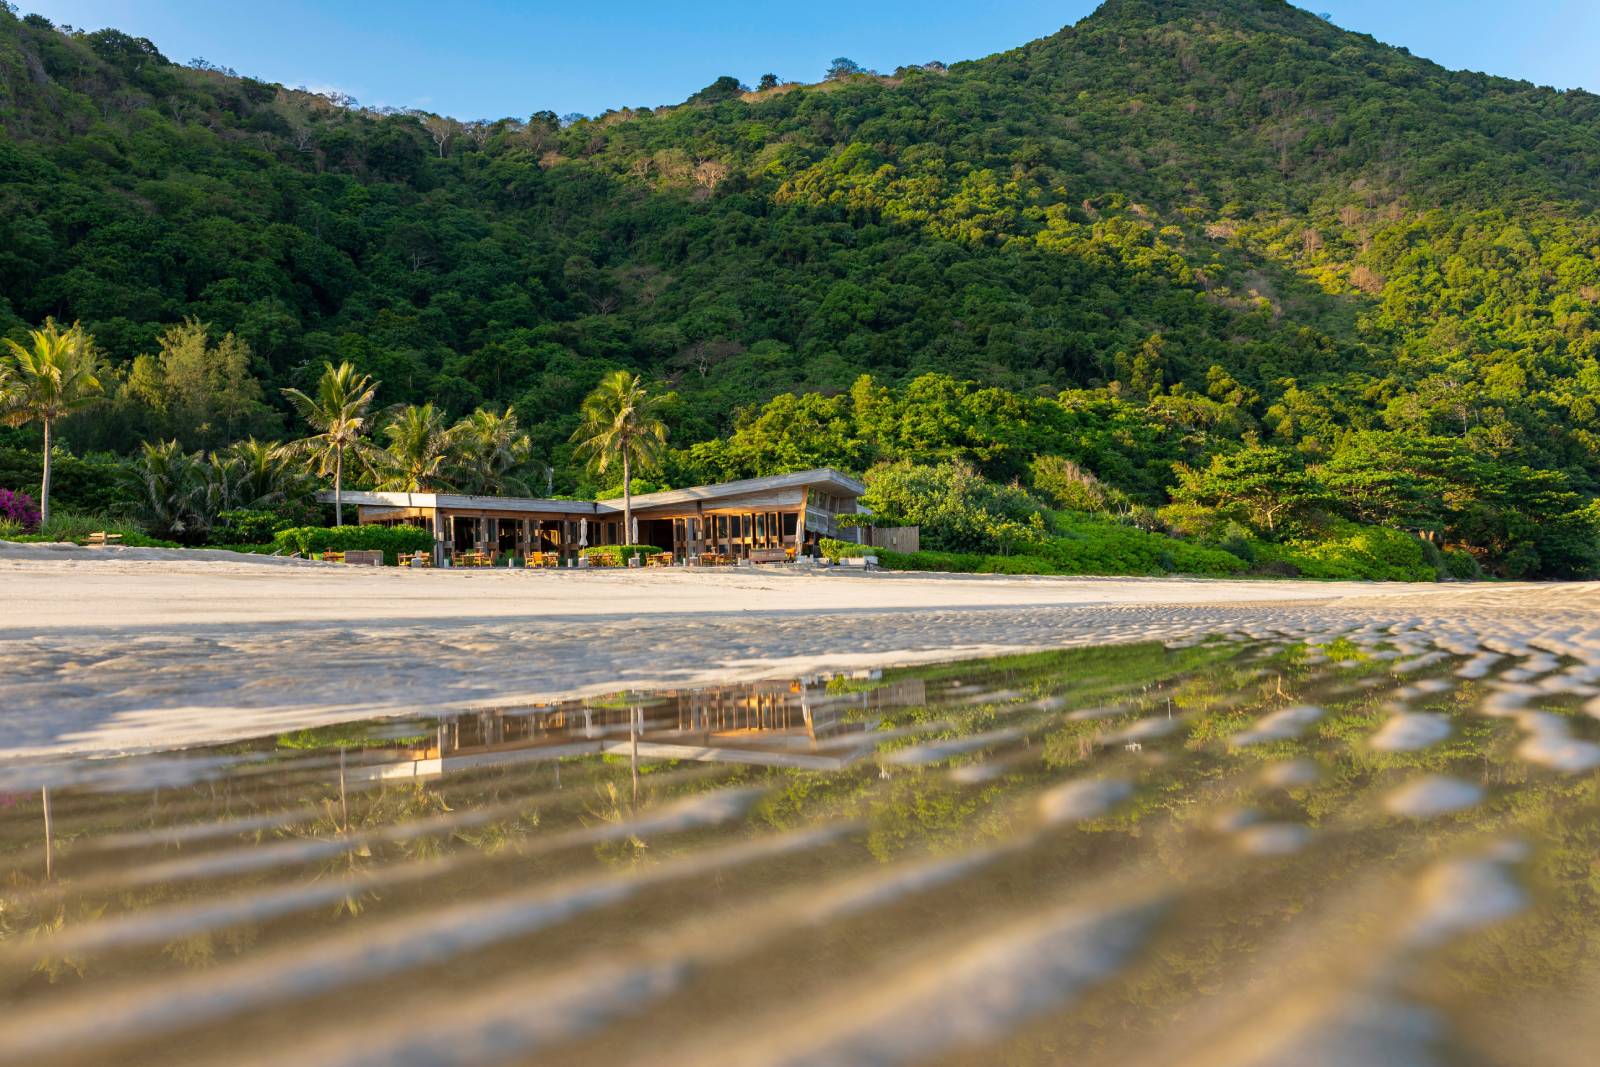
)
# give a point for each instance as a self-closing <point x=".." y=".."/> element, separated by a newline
<point x="1154" y="196"/>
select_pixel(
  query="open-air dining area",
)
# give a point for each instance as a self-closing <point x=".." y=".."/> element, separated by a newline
<point x="776" y="519"/>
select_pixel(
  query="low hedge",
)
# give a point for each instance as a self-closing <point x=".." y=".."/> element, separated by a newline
<point x="1091" y="546"/>
<point x="393" y="541"/>
<point x="1085" y="546"/>
<point x="1348" y="551"/>
<point x="248" y="526"/>
<point x="618" y="555"/>
<point x="836" y="550"/>
<point x="964" y="563"/>
<point x="129" y="540"/>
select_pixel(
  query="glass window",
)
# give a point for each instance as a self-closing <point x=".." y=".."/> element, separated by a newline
<point x="791" y="522"/>
<point x="722" y="526"/>
<point x="761" y="526"/>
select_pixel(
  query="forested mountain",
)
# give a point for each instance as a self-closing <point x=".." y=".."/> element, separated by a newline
<point x="1209" y="222"/>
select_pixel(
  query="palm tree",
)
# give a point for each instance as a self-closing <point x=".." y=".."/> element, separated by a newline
<point x="55" y="375"/>
<point x="618" y="423"/>
<point x="491" y="447"/>
<point x="420" y="451"/>
<point x="261" y="473"/>
<point x="171" y="485"/>
<point x="339" y="415"/>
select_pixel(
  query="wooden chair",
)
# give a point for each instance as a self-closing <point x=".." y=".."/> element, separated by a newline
<point x="101" y="538"/>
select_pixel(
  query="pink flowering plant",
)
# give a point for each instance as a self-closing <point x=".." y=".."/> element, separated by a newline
<point x="18" y="509"/>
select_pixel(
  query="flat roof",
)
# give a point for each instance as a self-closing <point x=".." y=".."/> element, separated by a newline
<point x="463" y="502"/>
<point x="824" y="478"/>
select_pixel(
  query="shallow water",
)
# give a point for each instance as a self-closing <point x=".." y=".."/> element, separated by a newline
<point x="1235" y="852"/>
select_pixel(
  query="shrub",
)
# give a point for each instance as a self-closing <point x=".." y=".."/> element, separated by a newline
<point x="391" y="540"/>
<point x="1069" y="486"/>
<point x="82" y="483"/>
<point x="252" y="526"/>
<point x="1461" y="565"/>
<point x="964" y="563"/>
<point x="1348" y="551"/>
<point x="618" y="555"/>
<point x="76" y="526"/>
<point x="957" y="509"/>
<point x="18" y="510"/>
<point x="1094" y="546"/>
<point x="836" y="550"/>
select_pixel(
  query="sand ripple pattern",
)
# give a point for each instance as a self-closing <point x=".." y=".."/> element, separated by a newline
<point x="1298" y="839"/>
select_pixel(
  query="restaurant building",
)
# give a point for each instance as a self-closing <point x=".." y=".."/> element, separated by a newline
<point x="755" y="518"/>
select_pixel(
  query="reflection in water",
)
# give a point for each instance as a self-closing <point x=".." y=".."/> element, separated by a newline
<point x="1359" y="850"/>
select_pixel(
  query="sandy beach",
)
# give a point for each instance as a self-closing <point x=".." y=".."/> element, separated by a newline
<point x="115" y="650"/>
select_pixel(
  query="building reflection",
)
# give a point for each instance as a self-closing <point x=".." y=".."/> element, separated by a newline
<point x="811" y="723"/>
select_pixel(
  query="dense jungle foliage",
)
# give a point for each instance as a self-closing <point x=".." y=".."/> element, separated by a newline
<point x="1257" y="282"/>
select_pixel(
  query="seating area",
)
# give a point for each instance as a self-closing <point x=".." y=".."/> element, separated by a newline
<point x="101" y="538"/>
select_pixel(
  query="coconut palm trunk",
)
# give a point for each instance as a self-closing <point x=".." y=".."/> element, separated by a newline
<point x="338" y="487"/>
<point x="44" y="482"/>
<point x="627" y="500"/>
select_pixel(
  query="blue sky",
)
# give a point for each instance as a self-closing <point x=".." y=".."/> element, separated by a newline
<point x="490" y="58"/>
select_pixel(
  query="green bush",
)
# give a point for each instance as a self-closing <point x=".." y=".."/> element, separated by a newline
<point x="392" y="540"/>
<point x="76" y="526"/>
<point x="1070" y="487"/>
<point x="248" y="526"/>
<point x="1091" y="547"/>
<point x="836" y="550"/>
<point x="86" y="483"/>
<point x="1096" y="546"/>
<point x="964" y="563"/>
<point x="618" y="555"/>
<point x="1461" y="565"/>
<point x="956" y="508"/>
<point x="1351" y="552"/>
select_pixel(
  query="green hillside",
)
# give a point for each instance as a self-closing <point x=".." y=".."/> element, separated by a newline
<point x="1172" y="231"/>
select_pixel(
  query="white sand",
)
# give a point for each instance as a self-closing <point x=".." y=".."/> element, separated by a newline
<point x="119" y="649"/>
